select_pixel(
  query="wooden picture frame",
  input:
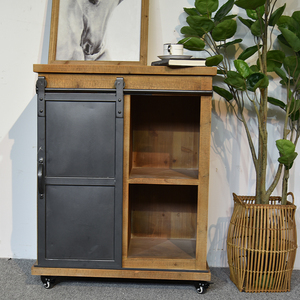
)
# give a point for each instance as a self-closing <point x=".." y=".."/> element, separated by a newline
<point x="75" y="37"/>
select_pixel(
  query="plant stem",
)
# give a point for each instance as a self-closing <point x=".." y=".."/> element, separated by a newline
<point x="285" y="186"/>
<point x="261" y="195"/>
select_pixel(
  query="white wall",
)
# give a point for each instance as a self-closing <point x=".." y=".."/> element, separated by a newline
<point x="24" y="35"/>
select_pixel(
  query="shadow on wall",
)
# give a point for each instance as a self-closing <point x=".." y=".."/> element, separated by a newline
<point x="217" y="238"/>
<point x="23" y="158"/>
<point x="225" y="173"/>
<point x="225" y="142"/>
<point x="24" y="173"/>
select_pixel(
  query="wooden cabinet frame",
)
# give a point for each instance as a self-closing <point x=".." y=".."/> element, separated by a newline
<point x="191" y="89"/>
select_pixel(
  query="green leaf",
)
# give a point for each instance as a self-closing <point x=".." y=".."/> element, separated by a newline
<point x="287" y="152"/>
<point x="252" y="13"/>
<point x="242" y="68"/>
<point x="285" y="147"/>
<point x="295" y="116"/>
<point x="206" y="6"/>
<point x="294" y="107"/>
<point x="281" y="74"/>
<point x="254" y="68"/>
<point x="276" y="102"/>
<point x="223" y="10"/>
<point x="288" y="160"/>
<point x="291" y="38"/>
<point x="213" y="60"/>
<point x="296" y="16"/>
<point x="288" y="22"/>
<point x="229" y="17"/>
<point x="200" y="24"/>
<point x="191" y="11"/>
<point x="281" y="38"/>
<point x="248" y="52"/>
<point x="292" y="66"/>
<point x="224" y="30"/>
<point x="274" y="59"/>
<point x="291" y="81"/>
<point x="223" y="93"/>
<point x="250" y="4"/>
<point x="235" y="80"/>
<point x="246" y="22"/>
<point x="257" y="80"/>
<point x="282" y="82"/>
<point x="189" y="31"/>
<point x="257" y="27"/>
<point x="276" y="15"/>
<point x="237" y="41"/>
<point x="192" y="43"/>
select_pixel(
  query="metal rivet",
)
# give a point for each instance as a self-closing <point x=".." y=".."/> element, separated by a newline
<point x="119" y="112"/>
<point x="41" y="99"/>
<point x="119" y="100"/>
<point x="41" y="111"/>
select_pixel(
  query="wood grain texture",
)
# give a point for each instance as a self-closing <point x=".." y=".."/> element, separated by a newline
<point x="162" y="248"/>
<point x="97" y="81"/>
<point x="165" y="131"/>
<point x="204" y="163"/>
<point x="133" y="274"/>
<point x="94" y="68"/>
<point x="53" y="31"/>
<point x="163" y="211"/>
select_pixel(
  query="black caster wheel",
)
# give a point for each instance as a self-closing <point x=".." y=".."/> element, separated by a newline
<point x="201" y="287"/>
<point x="48" y="282"/>
<point x="201" y="290"/>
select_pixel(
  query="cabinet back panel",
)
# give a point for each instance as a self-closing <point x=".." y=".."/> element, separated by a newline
<point x="165" y="131"/>
<point x="165" y="211"/>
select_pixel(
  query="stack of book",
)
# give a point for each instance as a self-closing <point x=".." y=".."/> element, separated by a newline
<point x="172" y="62"/>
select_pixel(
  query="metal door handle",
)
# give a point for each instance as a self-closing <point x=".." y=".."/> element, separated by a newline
<point x="41" y="178"/>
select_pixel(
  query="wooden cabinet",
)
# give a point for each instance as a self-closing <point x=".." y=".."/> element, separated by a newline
<point x="136" y="206"/>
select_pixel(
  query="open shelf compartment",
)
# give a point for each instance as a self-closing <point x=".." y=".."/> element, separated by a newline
<point x="163" y="221"/>
<point x="164" y="137"/>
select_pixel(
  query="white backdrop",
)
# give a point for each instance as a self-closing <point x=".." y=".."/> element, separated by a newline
<point x="25" y="35"/>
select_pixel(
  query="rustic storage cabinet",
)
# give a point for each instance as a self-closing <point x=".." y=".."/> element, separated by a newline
<point x="123" y="171"/>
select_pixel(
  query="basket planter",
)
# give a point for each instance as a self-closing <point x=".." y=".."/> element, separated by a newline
<point x="262" y="244"/>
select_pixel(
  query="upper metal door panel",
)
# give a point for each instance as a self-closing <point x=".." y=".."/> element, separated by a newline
<point x="76" y="144"/>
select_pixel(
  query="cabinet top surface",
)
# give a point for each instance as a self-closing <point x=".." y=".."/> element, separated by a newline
<point x="123" y="69"/>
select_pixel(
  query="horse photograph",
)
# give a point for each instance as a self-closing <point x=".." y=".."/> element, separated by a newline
<point x="107" y="30"/>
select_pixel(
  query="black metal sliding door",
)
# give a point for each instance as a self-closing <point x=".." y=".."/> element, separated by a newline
<point x="80" y="149"/>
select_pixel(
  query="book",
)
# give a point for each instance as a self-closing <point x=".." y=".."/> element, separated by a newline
<point x="192" y="62"/>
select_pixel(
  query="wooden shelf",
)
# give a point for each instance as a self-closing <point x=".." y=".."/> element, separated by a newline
<point x="164" y="176"/>
<point x="162" y="248"/>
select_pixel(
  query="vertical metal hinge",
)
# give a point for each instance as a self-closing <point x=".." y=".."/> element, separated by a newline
<point x="40" y="90"/>
<point x="119" y="85"/>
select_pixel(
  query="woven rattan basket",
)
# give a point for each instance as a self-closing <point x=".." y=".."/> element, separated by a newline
<point x="262" y="244"/>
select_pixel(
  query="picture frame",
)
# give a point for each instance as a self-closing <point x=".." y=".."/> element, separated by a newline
<point x="113" y="32"/>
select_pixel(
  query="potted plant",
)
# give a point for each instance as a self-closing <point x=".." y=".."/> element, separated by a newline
<point x="261" y="242"/>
